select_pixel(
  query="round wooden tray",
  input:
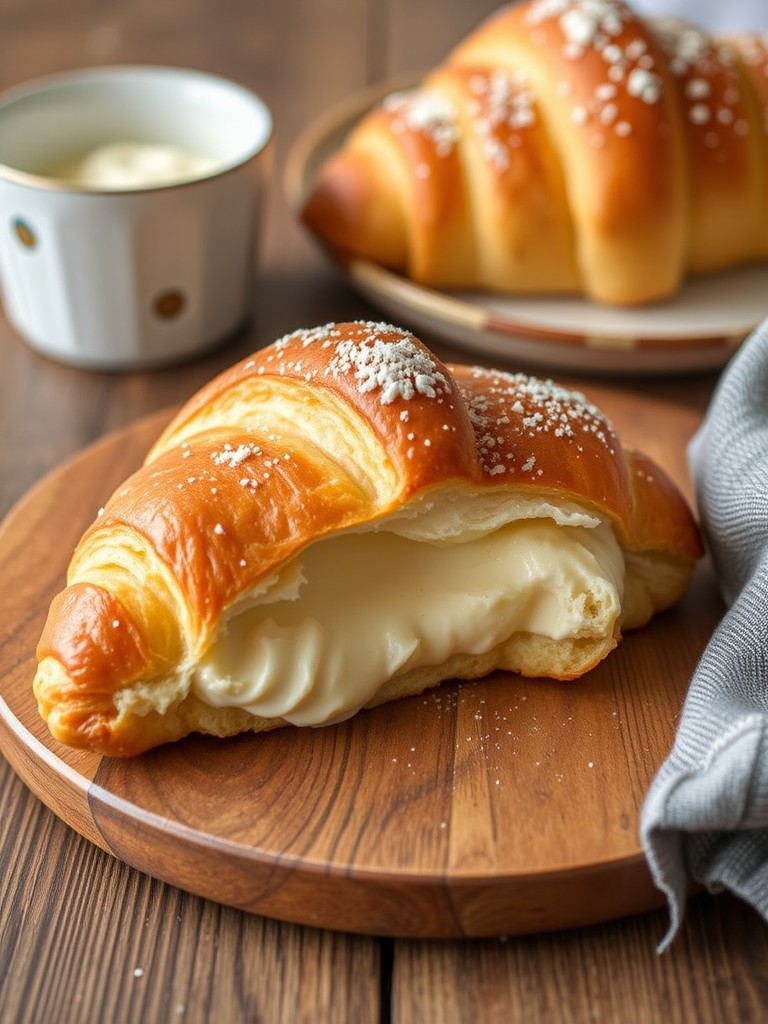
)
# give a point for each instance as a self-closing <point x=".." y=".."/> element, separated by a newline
<point x="498" y="807"/>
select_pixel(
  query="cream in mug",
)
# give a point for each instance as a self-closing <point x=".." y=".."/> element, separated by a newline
<point x="128" y="165"/>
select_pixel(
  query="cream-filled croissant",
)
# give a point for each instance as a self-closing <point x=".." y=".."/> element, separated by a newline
<point x="566" y="146"/>
<point x="341" y="520"/>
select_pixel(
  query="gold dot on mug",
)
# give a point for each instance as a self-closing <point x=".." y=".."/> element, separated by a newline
<point x="169" y="304"/>
<point x="24" y="233"/>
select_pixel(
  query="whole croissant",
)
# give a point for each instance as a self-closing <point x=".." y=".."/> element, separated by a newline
<point x="566" y="146"/>
<point x="341" y="520"/>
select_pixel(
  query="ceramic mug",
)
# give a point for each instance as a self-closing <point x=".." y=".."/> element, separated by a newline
<point x="130" y="272"/>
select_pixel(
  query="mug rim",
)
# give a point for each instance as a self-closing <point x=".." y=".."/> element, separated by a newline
<point x="60" y="79"/>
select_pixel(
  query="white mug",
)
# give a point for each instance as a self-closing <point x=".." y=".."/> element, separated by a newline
<point x="130" y="272"/>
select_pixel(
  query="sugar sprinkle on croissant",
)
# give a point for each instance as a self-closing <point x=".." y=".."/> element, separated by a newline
<point x="341" y="520"/>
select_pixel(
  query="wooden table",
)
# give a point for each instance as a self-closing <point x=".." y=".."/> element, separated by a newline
<point x="84" y="938"/>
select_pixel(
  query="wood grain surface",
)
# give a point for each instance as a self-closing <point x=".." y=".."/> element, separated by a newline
<point x="85" y="939"/>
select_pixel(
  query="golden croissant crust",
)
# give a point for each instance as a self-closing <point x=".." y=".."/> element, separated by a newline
<point x="566" y="146"/>
<point x="342" y="519"/>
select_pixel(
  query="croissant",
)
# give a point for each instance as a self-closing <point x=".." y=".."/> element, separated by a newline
<point x="566" y="146"/>
<point x="341" y="520"/>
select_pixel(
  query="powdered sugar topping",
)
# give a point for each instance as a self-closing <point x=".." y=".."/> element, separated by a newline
<point x="711" y="88"/>
<point x="378" y="357"/>
<point x="602" y="27"/>
<point x="514" y="409"/>
<point x="426" y="111"/>
<point x="644" y="84"/>
<point x="502" y="105"/>
<point x="233" y="456"/>
<point x="584" y="23"/>
<point x="391" y="364"/>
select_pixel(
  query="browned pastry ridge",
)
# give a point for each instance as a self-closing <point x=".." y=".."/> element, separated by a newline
<point x="566" y="146"/>
<point x="445" y="521"/>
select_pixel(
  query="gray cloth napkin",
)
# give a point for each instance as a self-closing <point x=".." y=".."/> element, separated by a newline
<point x="706" y="812"/>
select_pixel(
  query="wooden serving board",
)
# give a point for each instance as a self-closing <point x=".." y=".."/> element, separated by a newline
<point x="503" y="806"/>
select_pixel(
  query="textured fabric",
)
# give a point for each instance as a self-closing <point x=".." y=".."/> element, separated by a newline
<point x="706" y="812"/>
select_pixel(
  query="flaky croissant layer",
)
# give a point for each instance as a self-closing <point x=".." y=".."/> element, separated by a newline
<point x="340" y="520"/>
<point x="564" y="146"/>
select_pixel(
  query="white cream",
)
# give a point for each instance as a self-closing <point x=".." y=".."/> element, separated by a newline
<point x="465" y="514"/>
<point x="375" y="604"/>
<point x="129" y="165"/>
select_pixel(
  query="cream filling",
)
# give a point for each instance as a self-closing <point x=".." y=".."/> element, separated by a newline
<point x="129" y="165"/>
<point x="314" y="644"/>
